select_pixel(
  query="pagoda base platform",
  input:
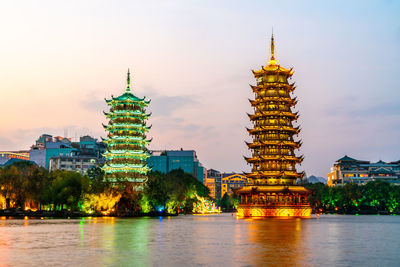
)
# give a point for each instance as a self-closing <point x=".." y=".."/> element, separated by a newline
<point x="262" y="211"/>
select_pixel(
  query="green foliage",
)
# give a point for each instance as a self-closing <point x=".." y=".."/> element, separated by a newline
<point x="24" y="185"/>
<point x="175" y="192"/>
<point x="373" y="197"/>
<point x="229" y="201"/>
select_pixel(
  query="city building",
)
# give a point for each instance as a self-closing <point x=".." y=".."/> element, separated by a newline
<point x="220" y="183"/>
<point x="273" y="190"/>
<point x="350" y="170"/>
<point x="126" y="153"/>
<point x="80" y="163"/>
<point x="209" y="182"/>
<point x="216" y="177"/>
<point x="232" y="181"/>
<point x="91" y="146"/>
<point x="59" y="153"/>
<point x="165" y="161"/>
<point x="48" y="146"/>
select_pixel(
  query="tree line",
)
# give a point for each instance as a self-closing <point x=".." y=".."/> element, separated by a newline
<point x="371" y="198"/>
<point x="24" y="185"/>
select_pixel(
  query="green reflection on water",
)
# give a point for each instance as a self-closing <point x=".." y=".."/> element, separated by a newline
<point x="127" y="243"/>
<point x="81" y="224"/>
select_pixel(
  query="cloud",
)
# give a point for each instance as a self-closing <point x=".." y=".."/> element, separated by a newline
<point x="160" y="105"/>
<point x="354" y="108"/>
<point x="93" y="103"/>
<point x="165" y="105"/>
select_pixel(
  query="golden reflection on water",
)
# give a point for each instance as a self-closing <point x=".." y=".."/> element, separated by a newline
<point x="219" y="240"/>
<point x="276" y="242"/>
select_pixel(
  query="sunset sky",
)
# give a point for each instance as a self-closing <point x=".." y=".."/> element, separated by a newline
<point x="60" y="59"/>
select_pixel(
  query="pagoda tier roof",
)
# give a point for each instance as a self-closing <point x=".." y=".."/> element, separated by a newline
<point x="128" y="97"/>
<point x="263" y="113"/>
<point x="126" y="152"/>
<point x="273" y="68"/>
<point x="274" y="142"/>
<point x="258" y="129"/>
<point x="270" y="157"/>
<point x="109" y="156"/>
<point x="133" y="170"/>
<point x="128" y="127"/>
<point x="122" y="138"/>
<point x="124" y="113"/>
<point x="273" y="189"/>
<point x="115" y="145"/>
<point x="127" y="165"/>
<point x="264" y="100"/>
<point x="273" y="85"/>
<point x="272" y="174"/>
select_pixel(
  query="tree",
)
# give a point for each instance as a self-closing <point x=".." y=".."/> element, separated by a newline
<point x="10" y="180"/>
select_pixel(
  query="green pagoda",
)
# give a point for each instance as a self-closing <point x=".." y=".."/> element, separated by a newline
<point x="126" y="141"/>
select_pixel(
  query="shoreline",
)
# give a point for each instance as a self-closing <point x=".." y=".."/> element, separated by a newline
<point x="20" y="214"/>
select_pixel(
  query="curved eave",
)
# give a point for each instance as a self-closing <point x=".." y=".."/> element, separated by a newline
<point x="295" y="130"/>
<point x="293" y="144"/>
<point x="264" y="100"/>
<point x="132" y="126"/>
<point x="274" y="189"/>
<point x="263" y="113"/>
<point x="275" y="157"/>
<point x="126" y="166"/>
<point x="280" y="174"/>
<point x="128" y="152"/>
<point x="273" y="69"/>
<point x="111" y="156"/>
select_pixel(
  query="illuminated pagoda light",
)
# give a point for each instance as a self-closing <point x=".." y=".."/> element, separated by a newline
<point x="273" y="190"/>
<point x="126" y="140"/>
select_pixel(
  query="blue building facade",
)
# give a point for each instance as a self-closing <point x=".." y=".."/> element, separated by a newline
<point x="167" y="160"/>
<point x="48" y="147"/>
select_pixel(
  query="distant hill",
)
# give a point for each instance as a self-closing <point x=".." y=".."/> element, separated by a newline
<point x="314" y="179"/>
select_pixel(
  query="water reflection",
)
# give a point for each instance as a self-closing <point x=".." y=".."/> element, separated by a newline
<point x="277" y="242"/>
<point x="219" y="240"/>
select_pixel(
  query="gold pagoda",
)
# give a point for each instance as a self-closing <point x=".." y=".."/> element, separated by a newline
<point x="273" y="190"/>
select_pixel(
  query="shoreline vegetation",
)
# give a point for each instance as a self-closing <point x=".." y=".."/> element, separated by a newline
<point x="29" y="191"/>
<point x="376" y="197"/>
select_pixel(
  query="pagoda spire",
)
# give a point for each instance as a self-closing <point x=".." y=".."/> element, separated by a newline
<point x="272" y="45"/>
<point x="128" y="81"/>
<point x="272" y="60"/>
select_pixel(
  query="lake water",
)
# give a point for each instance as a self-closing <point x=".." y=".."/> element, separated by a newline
<point x="217" y="240"/>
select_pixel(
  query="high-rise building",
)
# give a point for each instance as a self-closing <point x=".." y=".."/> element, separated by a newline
<point x="126" y="153"/>
<point x="165" y="161"/>
<point x="273" y="190"/>
<point x="215" y="182"/>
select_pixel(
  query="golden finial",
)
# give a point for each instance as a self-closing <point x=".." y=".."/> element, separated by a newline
<point x="272" y="60"/>
<point x="272" y="45"/>
<point x="128" y="81"/>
